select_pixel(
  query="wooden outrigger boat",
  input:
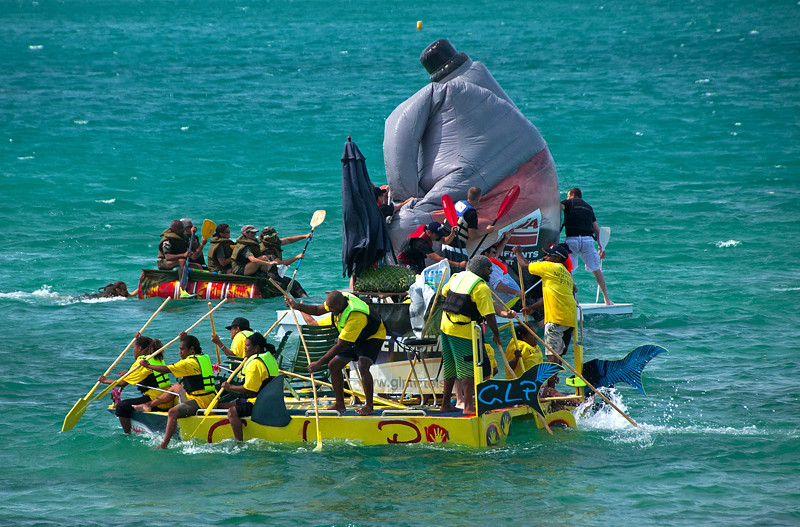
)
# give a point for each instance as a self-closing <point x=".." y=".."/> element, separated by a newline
<point x="279" y="418"/>
<point x="204" y="285"/>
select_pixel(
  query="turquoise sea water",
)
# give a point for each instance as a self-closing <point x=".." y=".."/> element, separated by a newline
<point x="679" y="120"/>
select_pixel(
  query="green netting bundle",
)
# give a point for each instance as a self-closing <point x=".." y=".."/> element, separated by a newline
<point x="385" y="279"/>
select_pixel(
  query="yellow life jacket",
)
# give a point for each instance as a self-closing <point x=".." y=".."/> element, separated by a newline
<point x="355" y="304"/>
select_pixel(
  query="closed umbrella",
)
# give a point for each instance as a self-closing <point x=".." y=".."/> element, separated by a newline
<point x="365" y="236"/>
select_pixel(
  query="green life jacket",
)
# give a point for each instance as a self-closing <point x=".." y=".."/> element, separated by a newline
<point x="359" y="306"/>
<point x="238" y="250"/>
<point x="269" y="362"/>
<point x="227" y="248"/>
<point x="202" y="384"/>
<point x="178" y="244"/>
<point x="458" y="300"/>
<point x="156" y="379"/>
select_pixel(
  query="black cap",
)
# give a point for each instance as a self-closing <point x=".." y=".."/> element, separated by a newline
<point x="240" y="322"/>
<point x="557" y="250"/>
<point x="441" y="59"/>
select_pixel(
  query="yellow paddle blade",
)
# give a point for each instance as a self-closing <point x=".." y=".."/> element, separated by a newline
<point x="74" y="415"/>
<point x="208" y="228"/>
<point x="317" y="218"/>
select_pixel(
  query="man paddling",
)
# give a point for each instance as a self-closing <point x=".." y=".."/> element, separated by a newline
<point x="259" y="368"/>
<point x="240" y="331"/>
<point x="361" y="335"/>
<point x="197" y="379"/>
<point x="558" y="295"/>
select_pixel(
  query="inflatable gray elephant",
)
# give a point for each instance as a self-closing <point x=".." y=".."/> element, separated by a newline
<point x="460" y="131"/>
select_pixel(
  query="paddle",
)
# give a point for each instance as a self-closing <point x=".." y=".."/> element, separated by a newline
<point x="185" y="274"/>
<point x="505" y="206"/>
<point x="208" y="228"/>
<point x="168" y="344"/>
<point x="214" y="332"/>
<point x="308" y="355"/>
<point x="567" y="364"/>
<point x="316" y="219"/>
<point x="74" y="415"/>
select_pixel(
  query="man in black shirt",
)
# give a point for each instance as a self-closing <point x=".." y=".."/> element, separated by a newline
<point x="582" y="230"/>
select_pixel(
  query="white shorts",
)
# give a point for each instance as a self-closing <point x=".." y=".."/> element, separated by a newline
<point x="584" y="247"/>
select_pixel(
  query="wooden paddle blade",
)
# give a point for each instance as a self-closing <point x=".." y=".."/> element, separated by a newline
<point x="317" y="218"/>
<point x="508" y="201"/>
<point x="208" y="228"/>
<point x="74" y="415"/>
<point x="449" y="210"/>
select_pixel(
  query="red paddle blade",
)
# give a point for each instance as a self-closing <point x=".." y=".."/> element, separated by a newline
<point x="508" y="201"/>
<point x="449" y="210"/>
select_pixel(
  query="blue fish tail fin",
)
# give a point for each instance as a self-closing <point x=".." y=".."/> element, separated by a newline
<point x="627" y="369"/>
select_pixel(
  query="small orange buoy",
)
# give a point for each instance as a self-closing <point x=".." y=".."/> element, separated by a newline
<point x="419" y="25"/>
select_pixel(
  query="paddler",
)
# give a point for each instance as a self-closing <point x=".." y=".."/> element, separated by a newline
<point x="468" y="299"/>
<point x="361" y="336"/>
<point x="419" y="245"/>
<point x="248" y="259"/>
<point x="173" y="249"/>
<point x="221" y="250"/>
<point x="144" y="379"/>
<point x="558" y="295"/>
<point x="500" y="281"/>
<point x="454" y="247"/>
<point x="196" y="378"/>
<point x="240" y="331"/>
<point x="196" y="259"/>
<point x="272" y="247"/>
<point x="259" y="368"/>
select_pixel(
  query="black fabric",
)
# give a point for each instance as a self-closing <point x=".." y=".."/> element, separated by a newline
<point x="269" y="408"/>
<point x="365" y="235"/>
<point x="578" y="217"/>
<point x="414" y="251"/>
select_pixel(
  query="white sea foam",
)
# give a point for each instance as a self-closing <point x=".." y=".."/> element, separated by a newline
<point x="43" y="292"/>
<point x="24" y="158"/>
<point x="729" y="243"/>
<point x="80" y="121"/>
<point x="35" y="47"/>
<point x="112" y="200"/>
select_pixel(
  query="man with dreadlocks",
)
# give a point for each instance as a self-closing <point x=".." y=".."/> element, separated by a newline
<point x="272" y="247"/>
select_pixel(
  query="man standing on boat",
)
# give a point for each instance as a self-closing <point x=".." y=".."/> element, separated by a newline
<point x="361" y="335"/>
<point x="558" y="295"/>
<point x="582" y="230"/>
<point x="240" y="332"/>
<point x="197" y="378"/>
<point x="468" y="299"/>
<point x="259" y="368"/>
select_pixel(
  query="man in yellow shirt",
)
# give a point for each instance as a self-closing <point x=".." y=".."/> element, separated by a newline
<point x="197" y="378"/>
<point x="240" y="330"/>
<point x="259" y="368"/>
<point x="361" y="336"/>
<point x="468" y="299"/>
<point x="558" y="295"/>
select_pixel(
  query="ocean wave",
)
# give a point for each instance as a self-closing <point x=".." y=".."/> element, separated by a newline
<point x="45" y="293"/>
<point x="729" y="243"/>
<point x="112" y="200"/>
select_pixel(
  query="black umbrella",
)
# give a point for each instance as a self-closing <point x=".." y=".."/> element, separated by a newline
<point x="365" y="236"/>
